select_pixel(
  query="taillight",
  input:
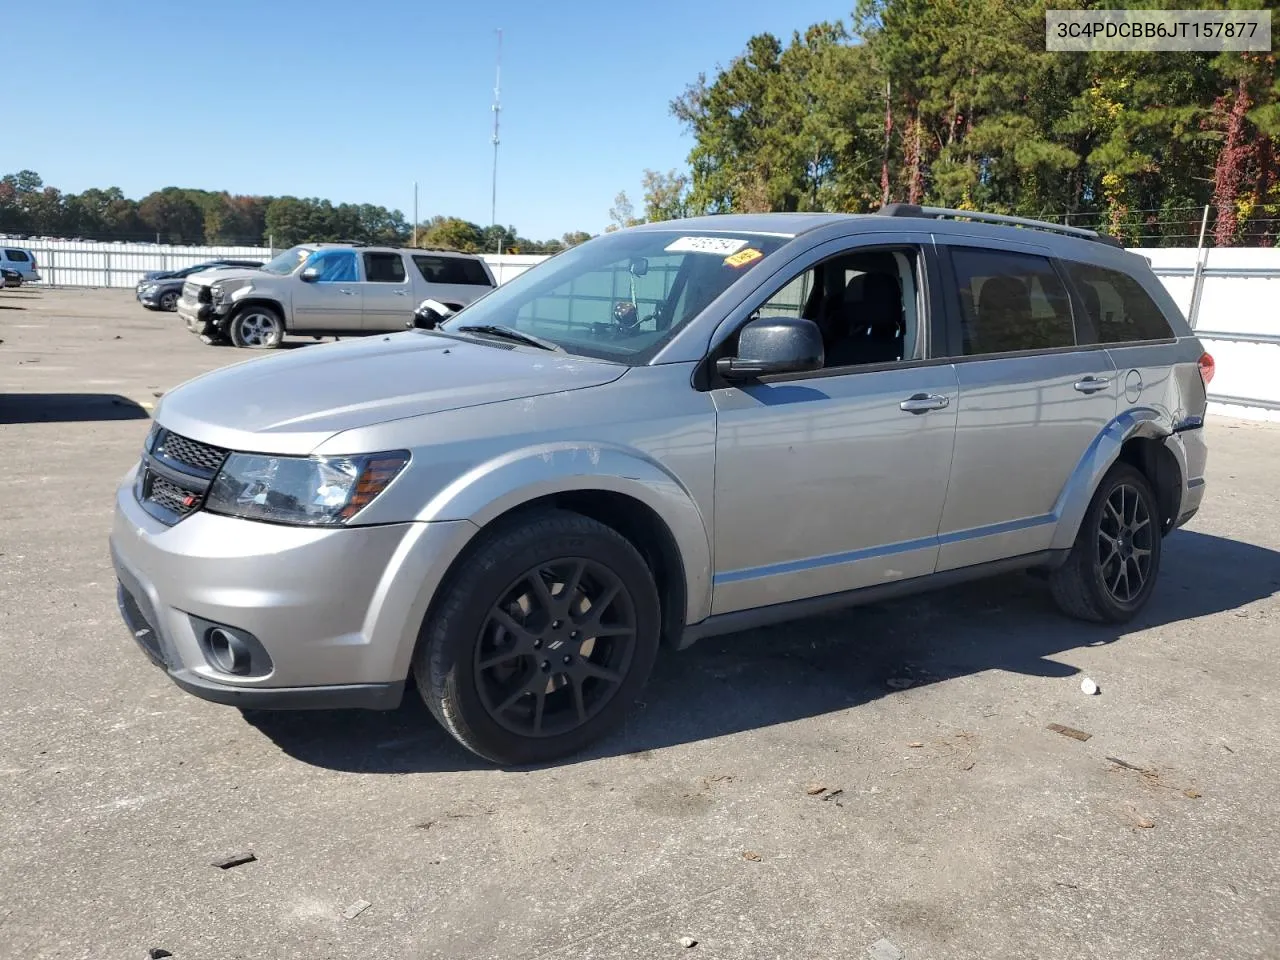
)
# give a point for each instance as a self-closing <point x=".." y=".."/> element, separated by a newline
<point x="1206" y="368"/>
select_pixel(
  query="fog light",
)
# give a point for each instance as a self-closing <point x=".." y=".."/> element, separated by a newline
<point x="228" y="652"/>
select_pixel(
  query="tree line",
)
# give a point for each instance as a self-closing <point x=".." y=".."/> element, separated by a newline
<point x="181" y="215"/>
<point x="956" y="103"/>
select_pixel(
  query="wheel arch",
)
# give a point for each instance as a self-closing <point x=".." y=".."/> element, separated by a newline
<point x="617" y="486"/>
<point x="259" y="301"/>
<point x="1137" y="437"/>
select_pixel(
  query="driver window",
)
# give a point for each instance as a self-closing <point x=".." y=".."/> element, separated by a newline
<point x="334" y="266"/>
<point x="865" y="304"/>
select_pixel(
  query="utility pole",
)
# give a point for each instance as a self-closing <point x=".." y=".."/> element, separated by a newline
<point x="497" y="109"/>
<point x="415" y="213"/>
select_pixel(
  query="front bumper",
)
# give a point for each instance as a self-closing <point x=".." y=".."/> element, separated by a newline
<point x="336" y="611"/>
<point x="196" y="315"/>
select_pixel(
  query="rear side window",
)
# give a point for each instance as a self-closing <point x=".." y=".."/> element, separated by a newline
<point x="1010" y="302"/>
<point x="459" y="270"/>
<point x="384" y="267"/>
<point x="1117" y="306"/>
<point x="17" y="256"/>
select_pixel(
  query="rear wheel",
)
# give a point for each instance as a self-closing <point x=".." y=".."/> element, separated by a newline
<point x="257" y="328"/>
<point x="545" y="635"/>
<point x="1112" y="567"/>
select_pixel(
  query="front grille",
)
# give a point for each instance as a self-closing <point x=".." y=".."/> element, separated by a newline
<point x="195" y="292"/>
<point x="191" y="453"/>
<point x="171" y="497"/>
<point x="175" y="475"/>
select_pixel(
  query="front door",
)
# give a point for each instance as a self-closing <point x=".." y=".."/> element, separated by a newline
<point x="1033" y="400"/>
<point x="835" y="480"/>
<point x="386" y="292"/>
<point x="331" y="301"/>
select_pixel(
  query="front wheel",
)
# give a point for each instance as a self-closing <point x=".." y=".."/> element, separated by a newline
<point x="257" y="328"/>
<point x="544" y="637"/>
<point x="169" y="301"/>
<point x="1111" y="570"/>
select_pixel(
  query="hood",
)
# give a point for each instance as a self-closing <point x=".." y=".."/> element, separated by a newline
<point x="206" y="277"/>
<point x="292" y="402"/>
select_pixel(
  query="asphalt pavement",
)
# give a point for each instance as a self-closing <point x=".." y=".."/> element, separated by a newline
<point x="882" y="782"/>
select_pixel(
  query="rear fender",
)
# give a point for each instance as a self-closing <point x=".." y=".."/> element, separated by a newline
<point x="1102" y="454"/>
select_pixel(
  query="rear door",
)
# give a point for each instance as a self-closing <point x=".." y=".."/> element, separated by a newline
<point x="330" y="302"/>
<point x="387" y="292"/>
<point x="1034" y="395"/>
<point x="456" y="280"/>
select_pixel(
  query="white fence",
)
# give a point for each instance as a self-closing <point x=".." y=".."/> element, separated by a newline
<point x="1238" y="315"/>
<point x="76" y="263"/>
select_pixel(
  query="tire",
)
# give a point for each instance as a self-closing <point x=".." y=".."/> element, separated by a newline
<point x="168" y="301"/>
<point x="1097" y="581"/>
<point x="256" y="327"/>
<point x="512" y="677"/>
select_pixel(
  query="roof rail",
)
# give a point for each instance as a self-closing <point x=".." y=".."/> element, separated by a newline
<point x="999" y="219"/>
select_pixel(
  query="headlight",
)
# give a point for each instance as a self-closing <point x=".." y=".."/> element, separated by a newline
<point x="150" y="288"/>
<point x="216" y="293"/>
<point x="301" y="490"/>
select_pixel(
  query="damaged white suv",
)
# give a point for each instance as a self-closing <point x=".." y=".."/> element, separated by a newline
<point x="328" y="289"/>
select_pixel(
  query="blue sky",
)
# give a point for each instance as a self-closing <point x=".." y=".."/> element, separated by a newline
<point x="353" y="102"/>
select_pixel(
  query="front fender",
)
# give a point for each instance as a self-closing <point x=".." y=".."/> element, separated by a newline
<point x="490" y="489"/>
<point x="1098" y="459"/>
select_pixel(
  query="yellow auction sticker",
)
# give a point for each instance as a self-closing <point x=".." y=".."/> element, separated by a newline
<point x="743" y="257"/>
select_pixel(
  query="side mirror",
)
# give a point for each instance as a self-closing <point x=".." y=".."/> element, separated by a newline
<point x="430" y="313"/>
<point x="310" y="275"/>
<point x="772" y="345"/>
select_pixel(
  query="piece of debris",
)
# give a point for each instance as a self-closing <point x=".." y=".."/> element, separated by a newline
<point x="1192" y="793"/>
<point x="832" y="796"/>
<point x="157" y="393"/>
<point x="751" y="855"/>
<point x="814" y="789"/>
<point x="1088" y="687"/>
<point x="1126" y="764"/>
<point x="1226" y="748"/>
<point x="1071" y="732"/>
<point x="357" y="908"/>
<point x="1069" y="886"/>
<point x="235" y="860"/>
<point x="156" y="953"/>
<point x="688" y="942"/>
<point x="1144" y="823"/>
<point x="915" y="744"/>
<point x="117" y="337"/>
<point x="884" y="950"/>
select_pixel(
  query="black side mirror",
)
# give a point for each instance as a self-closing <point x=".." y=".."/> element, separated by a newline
<point x="310" y="275"/>
<point x="772" y="345"/>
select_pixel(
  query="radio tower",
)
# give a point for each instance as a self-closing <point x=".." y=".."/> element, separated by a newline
<point x="497" y="109"/>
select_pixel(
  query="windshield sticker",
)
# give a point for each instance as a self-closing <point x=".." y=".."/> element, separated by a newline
<point x="716" y="246"/>
<point x="743" y="257"/>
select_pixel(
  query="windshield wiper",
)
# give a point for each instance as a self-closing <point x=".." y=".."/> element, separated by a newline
<point x="510" y="333"/>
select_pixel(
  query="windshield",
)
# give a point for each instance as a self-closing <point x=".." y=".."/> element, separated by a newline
<point x="623" y="295"/>
<point x="283" y="264"/>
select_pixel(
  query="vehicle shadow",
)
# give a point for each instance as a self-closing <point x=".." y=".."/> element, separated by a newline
<point x="67" y="408"/>
<point x="9" y="306"/>
<point x="759" y="678"/>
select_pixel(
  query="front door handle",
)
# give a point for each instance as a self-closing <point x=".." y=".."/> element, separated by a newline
<point x="923" y="403"/>
<point x="349" y="293"/>
<point x="400" y="293"/>
<point x="1092" y="384"/>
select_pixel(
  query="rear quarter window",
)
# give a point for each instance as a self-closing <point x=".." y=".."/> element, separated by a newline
<point x="1117" y="306"/>
<point x="17" y="256"/>
<point x="462" y="271"/>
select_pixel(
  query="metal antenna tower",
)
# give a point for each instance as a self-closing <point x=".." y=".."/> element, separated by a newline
<point x="497" y="109"/>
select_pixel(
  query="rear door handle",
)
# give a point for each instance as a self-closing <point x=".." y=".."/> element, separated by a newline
<point x="1092" y="384"/>
<point x="400" y="293"/>
<point x="923" y="403"/>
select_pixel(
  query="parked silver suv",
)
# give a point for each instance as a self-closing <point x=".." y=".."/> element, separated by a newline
<point x="328" y="290"/>
<point x="677" y="430"/>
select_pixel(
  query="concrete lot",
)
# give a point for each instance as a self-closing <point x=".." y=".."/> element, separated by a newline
<point x="954" y="824"/>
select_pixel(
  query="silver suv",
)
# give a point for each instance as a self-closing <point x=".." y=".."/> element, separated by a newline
<point x="681" y="429"/>
<point x="328" y="290"/>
